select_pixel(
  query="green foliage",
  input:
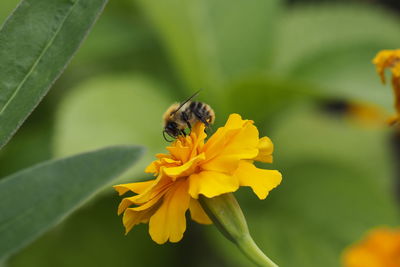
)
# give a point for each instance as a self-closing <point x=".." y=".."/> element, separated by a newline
<point x="81" y="244"/>
<point x="35" y="199"/>
<point x="131" y="114"/>
<point x="55" y="30"/>
<point x="6" y="8"/>
<point x="212" y="42"/>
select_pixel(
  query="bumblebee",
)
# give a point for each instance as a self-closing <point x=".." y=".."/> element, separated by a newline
<point x="180" y="116"/>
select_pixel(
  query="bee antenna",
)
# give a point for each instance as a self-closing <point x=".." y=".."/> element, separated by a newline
<point x="166" y="137"/>
<point x="187" y="100"/>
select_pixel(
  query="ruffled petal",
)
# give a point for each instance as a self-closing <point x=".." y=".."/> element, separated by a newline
<point x="197" y="212"/>
<point x="185" y="169"/>
<point x="234" y="122"/>
<point x="260" y="180"/>
<point x="265" y="149"/>
<point x="137" y="188"/>
<point x="211" y="184"/>
<point x="198" y="135"/>
<point x="132" y="217"/>
<point x="138" y="200"/>
<point x="179" y="151"/>
<point x="169" y="222"/>
<point x="160" y="184"/>
<point x="156" y="165"/>
<point x="242" y="143"/>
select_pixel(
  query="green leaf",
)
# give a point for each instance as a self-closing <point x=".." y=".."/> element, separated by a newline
<point x="332" y="45"/>
<point x="94" y="236"/>
<point x="6" y="8"/>
<point x="336" y="186"/>
<point x="110" y="110"/>
<point x="37" y="198"/>
<point x="212" y="42"/>
<point x="36" y="44"/>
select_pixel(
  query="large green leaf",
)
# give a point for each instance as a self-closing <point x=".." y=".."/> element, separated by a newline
<point x="110" y="110"/>
<point x="94" y="236"/>
<point x="36" y="43"/>
<point x="35" y="199"/>
<point x="6" y="6"/>
<point x="336" y="186"/>
<point x="214" y="41"/>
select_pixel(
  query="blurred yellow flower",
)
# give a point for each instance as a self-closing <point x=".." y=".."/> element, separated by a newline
<point x="194" y="167"/>
<point x="367" y="114"/>
<point x="390" y="59"/>
<point x="380" y="248"/>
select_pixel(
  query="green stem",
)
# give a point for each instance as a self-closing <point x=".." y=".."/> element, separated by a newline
<point x="227" y="215"/>
<point x="253" y="252"/>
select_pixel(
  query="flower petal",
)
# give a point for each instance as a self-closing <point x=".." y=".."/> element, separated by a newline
<point x="237" y="144"/>
<point x="137" y="188"/>
<point x="185" y="169"/>
<point x="179" y="151"/>
<point x="198" y="135"/>
<point x="160" y="184"/>
<point x="260" y="180"/>
<point x="265" y="149"/>
<point x="132" y="217"/>
<point x="234" y="122"/>
<point x="169" y="222"/>
<point x="157" y="193"/>
<point x="211" y="184"/>
<point x="197" y="212"/>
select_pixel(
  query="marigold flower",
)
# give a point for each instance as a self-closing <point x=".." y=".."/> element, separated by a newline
<point x="390" y="59"/>
<point x="380" y="248"/>
<point x="195" y="167"/>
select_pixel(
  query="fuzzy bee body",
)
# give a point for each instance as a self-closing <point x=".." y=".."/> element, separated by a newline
<point x="178" y="117"/>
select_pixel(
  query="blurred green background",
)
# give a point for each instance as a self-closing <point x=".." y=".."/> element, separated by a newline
<point x="276" y="62"/>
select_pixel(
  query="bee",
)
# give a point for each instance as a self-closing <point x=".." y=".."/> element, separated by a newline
<point x="180" y="116"/>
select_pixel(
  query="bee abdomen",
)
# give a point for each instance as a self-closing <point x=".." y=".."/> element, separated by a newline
<point x="202" y="111"/>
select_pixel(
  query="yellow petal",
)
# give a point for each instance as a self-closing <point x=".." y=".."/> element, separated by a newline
<point x="198" y="136"/>
<point x="179" y="151"/>
<point x="386" y="59"/>
<point x="197" y="212"/>
<point x="185" y="169"/>
<point x="260" y="180"/>
<point x="265" y="149"/>
<point x="128" y="201"/>
<point x="169" y="222"/>
<point x="160" y="184"/>
<point x="155" y="166"/>
<point x="132" y="217"/>
<point x="137" y="188"/>
<point x="234" y="122"/>
<point x="211" y="184"/>
<point x="237" y="144"/>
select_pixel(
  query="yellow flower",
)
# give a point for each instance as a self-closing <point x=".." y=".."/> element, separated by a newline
<point x="390" y="59"/>
<point x="380" y="248"/>
<point x="192" y="168"/>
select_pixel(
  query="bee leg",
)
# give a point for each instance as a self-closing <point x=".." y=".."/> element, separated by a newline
<point x="185" y="118"/>
<point x="201" y="117"/>
<point x="183" y="132"/>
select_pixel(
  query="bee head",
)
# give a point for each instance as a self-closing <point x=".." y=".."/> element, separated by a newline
<point x="171" y="128"/>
